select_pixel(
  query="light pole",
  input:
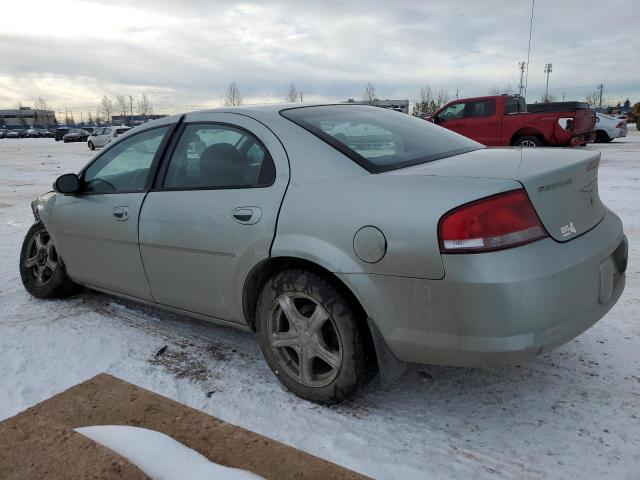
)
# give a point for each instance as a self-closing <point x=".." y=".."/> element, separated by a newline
<point x="521" y="86"/>
<point x="548" y="68"/>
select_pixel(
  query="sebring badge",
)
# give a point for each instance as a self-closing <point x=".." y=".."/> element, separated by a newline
<point x="567" y="230"/>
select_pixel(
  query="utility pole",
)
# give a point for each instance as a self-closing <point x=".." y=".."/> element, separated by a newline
<point x="521" y="86"/>
<point x="563" y="95"/>
<point x="456" y="94"/>
<point x="601" y="88"/>
<point x="548" y="68"/>
<point x="131" y="100"/>
<point x="301" y="96"/>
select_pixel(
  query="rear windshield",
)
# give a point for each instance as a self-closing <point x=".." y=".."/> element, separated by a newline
<point x="120" y="131"/>
<point x="378" y="139"/>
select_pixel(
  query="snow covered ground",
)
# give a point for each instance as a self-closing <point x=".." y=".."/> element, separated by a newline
<point x="573" y="413"/>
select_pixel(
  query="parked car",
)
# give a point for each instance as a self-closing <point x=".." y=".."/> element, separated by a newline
<point x="60" y="133"/>
<point x="421" y="246"/>
<point x="3" y="133"/>
<point x="16" y="133"/>
<point x="102" y="136"/>
<point x="609" y="127"/>
<point x="76" y="135"/>
<point x="505" y="120"/>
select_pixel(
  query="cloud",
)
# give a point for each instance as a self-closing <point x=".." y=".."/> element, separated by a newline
<point x="184" y="53"/>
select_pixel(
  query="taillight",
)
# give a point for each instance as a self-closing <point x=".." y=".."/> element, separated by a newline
<point x="492" y="223"/>
<point x="621" y="125"/>
<point x="566" y="123"/>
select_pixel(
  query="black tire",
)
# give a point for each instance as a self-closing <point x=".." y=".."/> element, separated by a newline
<point x="602" y="137"/>
<point x="349" y="345"/>
<point x="527" y="141"/>
<point x="55" y="282"/>
<point x="91" y="145"/>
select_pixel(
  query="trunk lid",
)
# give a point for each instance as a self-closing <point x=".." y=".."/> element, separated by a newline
<point x="561" y="183"/>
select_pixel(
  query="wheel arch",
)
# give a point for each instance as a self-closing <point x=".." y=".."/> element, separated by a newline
<point x="528" y="131"/>
<point x="260" y="274"/>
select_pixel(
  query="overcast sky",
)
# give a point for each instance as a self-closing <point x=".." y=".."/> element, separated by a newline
<point x="184" y="53"/>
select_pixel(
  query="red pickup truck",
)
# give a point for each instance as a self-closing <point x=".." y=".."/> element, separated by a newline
<point x="505" y="120"/>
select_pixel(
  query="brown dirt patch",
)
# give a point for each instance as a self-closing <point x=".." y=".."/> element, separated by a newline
<point x="40" y="442"/>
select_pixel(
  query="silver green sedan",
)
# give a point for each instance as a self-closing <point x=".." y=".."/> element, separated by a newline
<point x="350" y="239"/>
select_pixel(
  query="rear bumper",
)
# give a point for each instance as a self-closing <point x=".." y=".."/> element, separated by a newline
<point x="500" y="307"/>
<point x="581" y="139"/>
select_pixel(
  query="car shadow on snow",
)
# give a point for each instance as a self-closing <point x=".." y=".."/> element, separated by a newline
<point x="210" y="355"/>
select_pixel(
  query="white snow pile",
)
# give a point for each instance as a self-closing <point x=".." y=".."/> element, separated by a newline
<point x="160" y="456"/>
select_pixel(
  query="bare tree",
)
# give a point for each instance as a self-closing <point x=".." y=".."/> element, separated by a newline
<point x="369" y="94"/>
<point x="442" y="98"/>
<point x="90" y="119"/>
<point x="97" y="119"/>
<point x="144" y="107"/>
<point x="106" y="108"/>
<point x="422" y="106"/>
<point x="42" y="112"/>
<point x="292" y="94"/>
<point x="498" y="90"/>
<point x="41" y="104"/>
<point x="593" y="98"/>
<point x="233" y="97"/>
<point x="122" y="104"/>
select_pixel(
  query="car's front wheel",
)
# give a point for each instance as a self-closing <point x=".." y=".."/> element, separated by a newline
<point x="41" y="268"/>
<point x="311" y="337"/>
<point x="91" y="145"/>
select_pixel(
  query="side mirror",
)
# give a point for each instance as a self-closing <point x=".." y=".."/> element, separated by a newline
<point x="68" y="183"/>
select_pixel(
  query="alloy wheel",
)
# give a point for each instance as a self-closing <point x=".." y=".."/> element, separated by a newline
<point x="42" y="258"/>
<point x="527" y="143"/>
<point x="304" y="339"/>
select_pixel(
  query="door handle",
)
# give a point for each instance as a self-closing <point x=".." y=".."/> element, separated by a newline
<point x="121" y="213"/>
<point x="247" y="215"/>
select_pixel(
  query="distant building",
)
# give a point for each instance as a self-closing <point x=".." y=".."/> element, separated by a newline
<point x="137" y="119"/>
<point x="397" y="105"/>
<point x="27" y="117"/>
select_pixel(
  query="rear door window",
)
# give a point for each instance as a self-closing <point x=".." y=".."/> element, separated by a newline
<point x="210" y="156"/>
<point x="482" y="108"/>
<point x="379" y="139"/>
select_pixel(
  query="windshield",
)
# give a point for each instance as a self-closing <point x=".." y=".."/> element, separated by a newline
<point x="378" y="139"/>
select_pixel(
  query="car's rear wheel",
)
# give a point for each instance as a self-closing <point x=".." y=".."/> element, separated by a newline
<point x="91" y="145"/>
<point x="41" y="269"/>
<point x="310" y="337"/>
<point x="602" y="137"/>
<point x="527" y="141"/>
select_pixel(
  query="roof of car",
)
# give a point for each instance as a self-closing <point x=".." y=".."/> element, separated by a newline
<point x="273" y="107"/>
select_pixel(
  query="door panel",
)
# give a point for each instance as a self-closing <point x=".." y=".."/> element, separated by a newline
<point x="96" y="230"/>
<point x="198" y="244"/>
<point x="97" y="247"/>
<point x="481" y="122"/>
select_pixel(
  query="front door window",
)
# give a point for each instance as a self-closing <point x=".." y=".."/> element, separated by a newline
<point x="125" y="166"/>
